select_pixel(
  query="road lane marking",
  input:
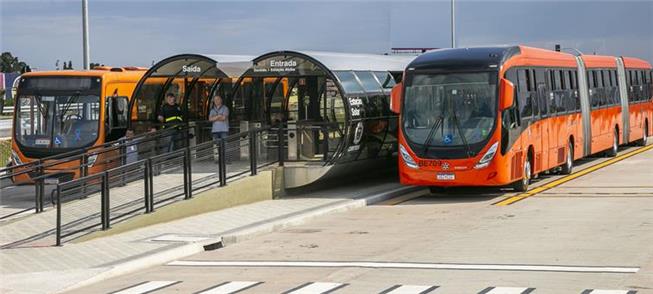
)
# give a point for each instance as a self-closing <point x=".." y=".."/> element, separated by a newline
<point x="146" y="287"/>
<point x="315" y="288"/>
<point x="409" y="265"/>
<point x="507" y="290"/>
<point x="409" y="289"/>
<point x="594" y="291"/>
<point x="230" y="287"/>
<point x="403" y="198"/>
<point x="555" y="183"/>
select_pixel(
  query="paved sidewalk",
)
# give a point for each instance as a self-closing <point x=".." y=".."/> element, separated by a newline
<point x="73" y="265"/>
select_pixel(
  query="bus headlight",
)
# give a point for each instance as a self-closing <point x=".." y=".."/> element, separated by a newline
<point x="485" y="160"/>
<point x="408" y="160"/>
<point x="91" y="160"/>
<point x="15" y="158"/>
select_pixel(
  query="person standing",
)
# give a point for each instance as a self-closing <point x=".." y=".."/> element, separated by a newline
<point x="219" y="116"/>
<point x="131" y="147"/>
<point x="170" y="116"/>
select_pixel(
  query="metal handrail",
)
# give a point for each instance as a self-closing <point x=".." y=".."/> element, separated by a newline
<point x="183" y="153"/>
<point x="112" y="145"/>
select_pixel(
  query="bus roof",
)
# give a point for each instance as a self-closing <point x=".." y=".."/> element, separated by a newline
<point x="594" y="61"/>
<point x="103" y="72"/>
<point x="630" y="62"/>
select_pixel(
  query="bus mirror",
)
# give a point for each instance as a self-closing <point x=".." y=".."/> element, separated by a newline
<point x="395" y="98"/>
<point x="506" y="94"/>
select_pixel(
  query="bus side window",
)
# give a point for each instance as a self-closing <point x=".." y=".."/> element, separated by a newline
<point x="522" y="81"/>
<point x="543" y="94"/>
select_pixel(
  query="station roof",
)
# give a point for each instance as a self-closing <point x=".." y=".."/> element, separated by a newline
<point x="215" y="65"/>
<point x="337" y="61"/>
<point x="357" y="74"/>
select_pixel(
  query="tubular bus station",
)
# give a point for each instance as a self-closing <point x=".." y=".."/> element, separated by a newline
<point x="333" y="107"/>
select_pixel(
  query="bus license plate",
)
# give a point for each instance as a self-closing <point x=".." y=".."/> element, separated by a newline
<point x="446" y="176"/>
<point x="42" y="142"/>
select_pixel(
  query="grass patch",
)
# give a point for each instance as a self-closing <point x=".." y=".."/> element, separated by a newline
<point x="5" y="152"/>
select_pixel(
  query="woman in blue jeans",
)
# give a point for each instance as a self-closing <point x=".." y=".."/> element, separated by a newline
<point x="219" y="116"/>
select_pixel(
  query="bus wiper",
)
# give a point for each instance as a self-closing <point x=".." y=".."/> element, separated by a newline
<point x="434" y="127"/>
<point x="69" y="103"/>
<point x="462" y="135"/>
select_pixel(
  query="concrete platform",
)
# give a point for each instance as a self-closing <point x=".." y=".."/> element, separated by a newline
<point x="78" y="264"/>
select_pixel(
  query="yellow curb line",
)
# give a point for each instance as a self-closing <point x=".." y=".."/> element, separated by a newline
<point x="403" y="198"/>
<point x="568" y="178"/>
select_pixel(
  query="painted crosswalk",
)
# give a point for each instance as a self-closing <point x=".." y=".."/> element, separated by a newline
<point x="316" y="288"/>
<point x="507" y="290"/>
<point x="231" y="287"/>
<point x="146" y="287"/>
<point x="598" y="291"/>
<point x="409" y="289"/>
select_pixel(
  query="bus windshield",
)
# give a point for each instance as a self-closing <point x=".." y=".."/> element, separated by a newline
<point x="451" y="109"/>
<point x="57" y="121"/>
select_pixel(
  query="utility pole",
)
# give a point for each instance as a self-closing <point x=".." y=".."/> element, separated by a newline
<point x="453" y="24"/>
<point x="85" y="32"/>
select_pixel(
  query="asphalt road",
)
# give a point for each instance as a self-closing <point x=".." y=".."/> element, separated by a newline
<point x="593" y="233"/>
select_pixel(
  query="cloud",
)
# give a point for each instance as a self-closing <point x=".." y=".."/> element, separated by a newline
<point x="137" y="32"/>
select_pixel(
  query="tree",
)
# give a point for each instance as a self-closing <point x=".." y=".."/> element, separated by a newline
<point x="94" y="65"/>
<point x="9" y="63"/>
<point x="68" y="65"/>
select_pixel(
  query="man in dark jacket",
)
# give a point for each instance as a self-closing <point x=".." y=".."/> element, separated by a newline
<point x="171" y="115"/>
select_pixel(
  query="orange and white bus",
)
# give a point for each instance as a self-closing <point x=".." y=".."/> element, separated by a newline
<point x="500" y="116"/>
<point x="59" y="112"/>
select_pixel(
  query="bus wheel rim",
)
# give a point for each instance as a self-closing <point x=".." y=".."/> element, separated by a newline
<point x="569" y="158"/>
<point x="527" y="172"/>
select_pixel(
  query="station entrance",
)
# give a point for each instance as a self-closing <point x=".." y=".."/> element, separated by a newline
<point x="192" y="79"/>
<point x="300" y="97"/>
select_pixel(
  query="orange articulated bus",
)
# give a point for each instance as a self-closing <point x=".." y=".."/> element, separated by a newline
<point x="499" y="116"/>
<point x="58" y="112"/>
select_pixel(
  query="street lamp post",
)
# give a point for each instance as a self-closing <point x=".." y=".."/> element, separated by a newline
<point x="85" y="33"/>
<point x="453" y="24"/>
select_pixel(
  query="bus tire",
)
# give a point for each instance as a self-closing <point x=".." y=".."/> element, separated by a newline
<point x="612" y="152"/>
<point x="644" y="139"/>
<point x="568" y="167"/>
<point x="522" y="185"/>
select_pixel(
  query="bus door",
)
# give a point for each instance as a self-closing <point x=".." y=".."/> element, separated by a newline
<point x="544" y="126"/>
<point x="554" y="124"/>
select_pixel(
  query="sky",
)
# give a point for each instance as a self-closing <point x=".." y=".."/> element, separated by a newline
<point x="139" y="32"/>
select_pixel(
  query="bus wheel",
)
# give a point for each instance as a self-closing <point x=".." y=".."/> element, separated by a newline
<point x="612" y="152"/>
<point x="522" y="185"/>
<point x="644" y="139"/>
<point x="568" y="167"/>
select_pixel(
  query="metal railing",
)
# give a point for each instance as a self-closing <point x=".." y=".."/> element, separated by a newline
<point x="237" y="155"/>
<point x="136" y="162"/>
<point x="78" y="163"/>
